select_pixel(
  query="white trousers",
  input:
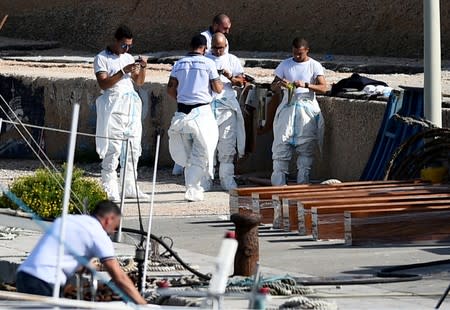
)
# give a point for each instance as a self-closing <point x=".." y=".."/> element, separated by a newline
<point x="226" y="150"/>
<point x="192" y="141"/>
<point x="229" y="118"/>
<point x="298" y="127"/>
<point x="281" y="160"/>
<point x="124" y="123"/>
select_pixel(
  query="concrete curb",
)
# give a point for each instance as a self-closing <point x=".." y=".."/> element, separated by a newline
<point x="8" y="211"/>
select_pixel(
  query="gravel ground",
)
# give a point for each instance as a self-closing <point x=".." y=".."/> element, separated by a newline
<point x="159" y="73"/>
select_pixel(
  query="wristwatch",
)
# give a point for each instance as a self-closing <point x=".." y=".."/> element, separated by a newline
<point x="306" y="85"/>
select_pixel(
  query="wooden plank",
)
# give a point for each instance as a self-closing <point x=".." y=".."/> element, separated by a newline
<point x="391" y="226"/>
<point x="304" y="205"/>
<point x="236" y="202"/>
<point x="266" y="214"/>
<point x="289" y="216"/>
<point x="328" y="221"/>
<point x="239" y="197"/>
<point x="330" y="189"/>
<point x="348" y="193"/>
<point x="247" y="191"/>
<point x="316" y="191"/>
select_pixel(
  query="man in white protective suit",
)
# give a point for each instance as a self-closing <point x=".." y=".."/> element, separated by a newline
<point x="119" y="113"/>
<point x="298" y="124"/>
<point x="221" y="23"/>
<point x="193" y="132"/>
<point x="227" y="111"/>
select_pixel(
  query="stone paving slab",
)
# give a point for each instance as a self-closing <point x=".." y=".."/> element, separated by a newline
<point x="196" y="240"/>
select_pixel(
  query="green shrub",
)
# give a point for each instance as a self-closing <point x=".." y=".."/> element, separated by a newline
<point x="43" y="194"/>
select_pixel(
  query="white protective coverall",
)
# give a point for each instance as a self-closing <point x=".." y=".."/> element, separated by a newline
<point x="119" y="117"/>
<point x="298" y="124"/>
<point x="192" y="142"/>
<point x="229" y="118"/>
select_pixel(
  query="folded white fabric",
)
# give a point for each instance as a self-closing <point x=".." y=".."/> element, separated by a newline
<point x="377" y="90"/>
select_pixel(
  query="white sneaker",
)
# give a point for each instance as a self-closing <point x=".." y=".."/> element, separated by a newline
<point x="140" y="194"/>
<point x="112" y="192"/>
<point x="193" y="195"/>
<point x="115" y="198"/>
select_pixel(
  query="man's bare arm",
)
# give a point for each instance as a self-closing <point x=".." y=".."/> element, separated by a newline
<point x="320" y="86"/>
<point x="123" y="281"/>
<point x="217" y="85"/>
<point x="138" y="74"/>
<point x="277" y="83"/>
<point x="238" y="80"/>
<point x="105" y="81"/>
<point x="172" y="87"/>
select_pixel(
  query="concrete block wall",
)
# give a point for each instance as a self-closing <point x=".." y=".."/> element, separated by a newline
<point x="54" y="100"/>
<point x="352" y="27"/>
<point x="351" y="125"/>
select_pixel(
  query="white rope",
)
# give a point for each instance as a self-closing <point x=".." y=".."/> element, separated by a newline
<point x="62" y="130"/>
<point x="306" y="303"/>
<point x="9" y="233"/>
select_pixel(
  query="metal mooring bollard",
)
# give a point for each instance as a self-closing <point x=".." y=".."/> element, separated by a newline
<point x="247" y="254"/>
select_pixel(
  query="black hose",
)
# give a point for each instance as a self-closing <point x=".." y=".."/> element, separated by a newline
<point x="169" y="249"/>
<point x="354" y="280"/>
<point x="385" y="275"/>
<point x="136" y="188"/>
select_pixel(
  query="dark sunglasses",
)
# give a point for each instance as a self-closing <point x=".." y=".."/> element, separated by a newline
<point x="126" y="46"/>
<point x="217" y="47"/>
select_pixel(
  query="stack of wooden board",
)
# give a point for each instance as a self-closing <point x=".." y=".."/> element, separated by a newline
<point x="342" y="211"/>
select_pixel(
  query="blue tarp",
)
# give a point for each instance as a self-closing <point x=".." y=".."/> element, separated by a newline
<point x="392" y="133"/>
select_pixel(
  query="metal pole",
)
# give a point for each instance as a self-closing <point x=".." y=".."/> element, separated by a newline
<point x="122" y="194"/>
<point x="432" y="62"/>
<point x="149" y="228"/>
<point x="67" y="186"/>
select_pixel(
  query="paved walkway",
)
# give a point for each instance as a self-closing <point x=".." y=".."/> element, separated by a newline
<point x="197" y="230"/>
<point x="197" y="239"/>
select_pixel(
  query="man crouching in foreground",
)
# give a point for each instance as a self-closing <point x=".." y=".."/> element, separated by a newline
<point x="87" y="237"/>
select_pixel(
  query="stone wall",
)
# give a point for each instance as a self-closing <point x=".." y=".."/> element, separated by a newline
<point x="382" y="27"/>
<point x="54" y="99"/>
<point x="351" y="125"/>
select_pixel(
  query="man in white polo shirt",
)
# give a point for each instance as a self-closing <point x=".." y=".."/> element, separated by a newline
<point x="220" y="23"/>
<point x="193" y="132"/>
<point x="227" y="111"/>
<point x="86" y="237"/>
<point x="119" y="113"/>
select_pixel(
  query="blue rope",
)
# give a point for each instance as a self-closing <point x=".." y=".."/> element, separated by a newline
<point x="249" y="281"/>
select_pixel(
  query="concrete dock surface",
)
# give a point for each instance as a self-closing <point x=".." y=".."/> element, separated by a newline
<point x="197" y="240"/>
